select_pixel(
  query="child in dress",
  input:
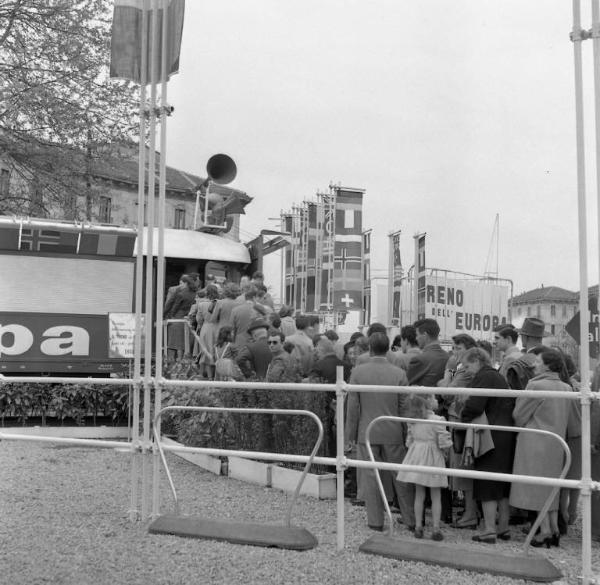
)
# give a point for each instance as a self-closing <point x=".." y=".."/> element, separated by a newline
<point x="426" y="444"/>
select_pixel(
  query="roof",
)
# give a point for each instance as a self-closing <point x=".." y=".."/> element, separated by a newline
<point x="114" y="162"/>
<point x="193" y="244"/>
<point x="546" y="294"/>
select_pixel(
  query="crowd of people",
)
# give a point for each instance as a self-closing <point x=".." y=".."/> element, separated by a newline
<point x="238" y="335"/>
<point x="489" y="506"/>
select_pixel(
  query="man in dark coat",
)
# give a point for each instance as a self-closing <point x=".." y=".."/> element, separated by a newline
<point x="255" y="357"/>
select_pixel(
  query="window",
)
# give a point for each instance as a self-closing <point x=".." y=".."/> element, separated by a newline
<point x="552" y="329"/>
<point x="104" y="211"/>
<point x="564" y="310"/>
<point x="518" y="310"/>
<point x="529" y="311"/>
<point x="179" y="219"/>
<point x="4" y="182"/>
<point x="36" y="199"/>
<point x="552" y="310"/>
<point x="539" y="311"/>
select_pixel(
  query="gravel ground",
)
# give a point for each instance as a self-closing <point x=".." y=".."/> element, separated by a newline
<point x="64" y="520"/>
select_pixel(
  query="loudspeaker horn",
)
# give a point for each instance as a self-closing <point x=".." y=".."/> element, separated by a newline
<point x="221" y="169"/>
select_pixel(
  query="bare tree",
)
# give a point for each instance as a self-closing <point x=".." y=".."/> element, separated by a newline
<point x="58" y="107"/>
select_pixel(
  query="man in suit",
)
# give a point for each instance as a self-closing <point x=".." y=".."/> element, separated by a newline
<point x="427" y="367"/>
<point x="386" y="438"/>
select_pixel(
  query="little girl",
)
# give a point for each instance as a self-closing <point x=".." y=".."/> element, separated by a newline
<point x="426" y="443"/>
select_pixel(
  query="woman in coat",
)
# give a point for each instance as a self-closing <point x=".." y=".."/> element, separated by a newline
<point x="538" y="454"/>
<point x="493" y="495"/>
<point x="177" y="306"/>
<point x="221" y="316"/>
<point x="207" y="331"/>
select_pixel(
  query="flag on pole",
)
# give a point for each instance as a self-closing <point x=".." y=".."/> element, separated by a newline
<point x="366" y="256"/>
<point x="347" y="268"/>
<point x="395" y="277"/>
<point x="127" y="33"/>
<point x="420" y="275"/>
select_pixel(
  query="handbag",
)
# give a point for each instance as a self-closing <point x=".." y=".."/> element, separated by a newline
<point x="224" y="367"/>
<point x="482" y="438"/>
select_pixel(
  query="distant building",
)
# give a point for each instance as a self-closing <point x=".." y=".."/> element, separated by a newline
<point x="555" y="306"/>
<point x="113" y="173"/>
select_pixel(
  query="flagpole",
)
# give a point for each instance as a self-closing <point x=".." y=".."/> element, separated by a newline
<point x="584" y="364"/>
<point x="150" y="258"/>
<point x="160" y="277"/>
<point x="139" y="276"/>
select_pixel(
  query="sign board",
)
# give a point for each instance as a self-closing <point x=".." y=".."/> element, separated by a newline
<point x="55" y="342"/>
<point x="574" y="330"/>
<point x="474" y="307"/>
<point x="121" y="335"/>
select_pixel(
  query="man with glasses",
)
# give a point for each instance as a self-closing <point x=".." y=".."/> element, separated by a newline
<point x="282" y="367"/>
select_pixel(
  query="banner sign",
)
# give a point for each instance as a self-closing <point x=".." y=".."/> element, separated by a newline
<point x="573" y="327"/>
<point x="55" y="342"/>
<point x="465" y="306"/>
<point x="121" y="335"/>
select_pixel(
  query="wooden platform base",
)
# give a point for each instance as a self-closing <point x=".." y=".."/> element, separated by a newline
<point x="531" y="567"/>
<point x="288" y="537"/>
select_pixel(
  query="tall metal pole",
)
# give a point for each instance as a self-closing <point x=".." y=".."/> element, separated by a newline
<point x="150" y="261"/>
<point x="586" y="544"/>
<point x="340" y="455"/>
<point x="160" y="270"/>
<point x="139" y="275"/>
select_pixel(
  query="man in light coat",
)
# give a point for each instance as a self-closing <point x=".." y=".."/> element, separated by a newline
<point x="387" y="437"/>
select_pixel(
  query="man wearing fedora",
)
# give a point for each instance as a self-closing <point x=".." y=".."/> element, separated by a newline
<point x="520" y="371"/>
<point x="254" y="358"/>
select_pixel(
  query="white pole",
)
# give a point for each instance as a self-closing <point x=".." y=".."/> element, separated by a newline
<point x="139" y="275"/>
<point x="160" y="277"/>
<point x="586" y="544"/>
<point x="340" y="455"/>
<point x="150" y="262"/>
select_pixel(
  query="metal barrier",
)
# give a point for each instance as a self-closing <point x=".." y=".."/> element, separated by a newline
<point x="480" y="474"/>
<point x="135" y="447"/>
<point x="309" y="462"/>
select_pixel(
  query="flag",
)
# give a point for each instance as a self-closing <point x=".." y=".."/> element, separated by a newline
<point x="326" y="255"/>
<point x="420" y="276"/>
<point x="9" y="237"/>
<point x="108" y="244"/>
<point x="395" y="275"/>
<point x="55" y="241"/>
<point x="311" y="257"/>
<point x="347" y="266"/>
<point x="126" y="38"/>
<point x="366" y="263"/>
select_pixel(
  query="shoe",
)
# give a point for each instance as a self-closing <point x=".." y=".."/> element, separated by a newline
<point x="555" y="539"/>
<point x="418" y="533"/>
<point x="466" y="523"/>
<point x="489" y="538"/>
<point x="437" y="535"/>
<point x="503" y="535"/>
<point x="376" y="528"/>
<point x="545" y="541"/>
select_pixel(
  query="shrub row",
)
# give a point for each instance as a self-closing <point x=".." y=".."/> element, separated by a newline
<point x="62" y="402"/>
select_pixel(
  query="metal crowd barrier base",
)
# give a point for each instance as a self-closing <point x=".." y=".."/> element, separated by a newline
<point x="235" y="532"/>
<point x="524" y="566"/>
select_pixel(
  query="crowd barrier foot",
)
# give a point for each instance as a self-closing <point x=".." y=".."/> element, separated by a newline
<point x="287" y="537"/>
<point x="531" y="567"/>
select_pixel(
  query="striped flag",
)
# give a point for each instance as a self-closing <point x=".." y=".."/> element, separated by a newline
<point x="366" y="258"/>
<point x="126" y="39"/>
<point x="40" y="240"/>
<point x="347" y="268"/>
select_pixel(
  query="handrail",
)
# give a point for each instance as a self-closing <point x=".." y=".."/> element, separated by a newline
<point x="443" y="471"/>
<point x="248" y="453"/>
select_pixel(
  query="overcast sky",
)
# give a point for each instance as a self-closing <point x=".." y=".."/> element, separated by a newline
<point x="446" y="112"/>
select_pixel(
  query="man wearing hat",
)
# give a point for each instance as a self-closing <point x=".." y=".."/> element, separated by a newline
<point x="254" y="358"/>
<point x="520" y="371"/>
